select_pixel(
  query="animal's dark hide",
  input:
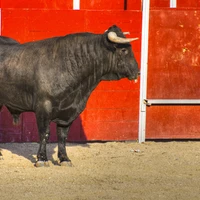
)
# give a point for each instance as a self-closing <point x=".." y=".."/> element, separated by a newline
<point x="55" y="77"/>
<point x="7" y="40"/>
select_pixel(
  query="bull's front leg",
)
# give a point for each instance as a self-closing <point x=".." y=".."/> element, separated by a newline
<point x="62" y="132"/>
<point x="43" y="123"/>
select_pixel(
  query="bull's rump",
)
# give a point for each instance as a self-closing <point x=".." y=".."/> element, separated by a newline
<point x="16" y="78"/>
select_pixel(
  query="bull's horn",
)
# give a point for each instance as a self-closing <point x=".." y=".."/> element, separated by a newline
<point x="112" y="36"/>
<point x="126" y="33"/>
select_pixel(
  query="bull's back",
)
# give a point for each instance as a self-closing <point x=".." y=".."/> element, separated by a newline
<point x="7" y="40"/>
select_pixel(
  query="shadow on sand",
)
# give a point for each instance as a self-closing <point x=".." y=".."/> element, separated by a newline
<point x="29" y="150"/>
<point x="12" y="137"/>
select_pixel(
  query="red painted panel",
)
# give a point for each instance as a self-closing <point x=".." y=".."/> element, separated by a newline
<point x="134" y="4"/>
<point x="102" y="5"/>
<point x="127" y="130"/>
<point x="103" y="115"/>
<point x="173" y="73"/>
<point x="180" y="4"/>
<point x="174" y="56"/>
<point x="171" y="122"/>
<point x="29" y="25"/>
<point x="188" y="3"/>
<point x="112" y="99"/>
<point x="46" y="4"/>
<point x="121" y="85"/>
<point x="159" y="3"/>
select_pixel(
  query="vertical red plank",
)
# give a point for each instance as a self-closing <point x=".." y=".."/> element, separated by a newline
<point x="134" y="4"/>
<point x="102" y="5"/>
<point x="159" y="3"/>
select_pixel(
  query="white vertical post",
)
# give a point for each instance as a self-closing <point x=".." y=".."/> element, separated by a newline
<point x="76" y="4"/>
<point x="173" y="3"/>
<point x="144" y="67"/>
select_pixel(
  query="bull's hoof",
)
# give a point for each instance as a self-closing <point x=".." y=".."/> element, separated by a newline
<point x="66" y="164"/>
<point x="42" y="164"/>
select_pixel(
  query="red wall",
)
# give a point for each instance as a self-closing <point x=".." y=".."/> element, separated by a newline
<point x="112" y="110"/>
<point x="154" y="4"/>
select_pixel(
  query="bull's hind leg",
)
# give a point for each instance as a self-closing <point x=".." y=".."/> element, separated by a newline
<point x="62" y="154"/>
<point x="43" y="123"/>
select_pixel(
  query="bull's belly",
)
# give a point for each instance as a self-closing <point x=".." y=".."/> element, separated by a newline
<point x="16" y="102"/>
<point x="66" y="115"/>
<point x="69" y="108"/>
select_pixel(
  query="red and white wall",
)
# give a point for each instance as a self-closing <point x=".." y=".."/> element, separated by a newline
<point x="113" y="110"/>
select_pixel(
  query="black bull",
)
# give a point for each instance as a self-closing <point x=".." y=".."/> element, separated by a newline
<point x="55" y="77"/>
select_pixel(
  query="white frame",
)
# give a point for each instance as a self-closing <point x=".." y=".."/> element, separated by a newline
<point x="144" y="69"/>
<point x="76" y="4"/>
<point x="173" y="3"/>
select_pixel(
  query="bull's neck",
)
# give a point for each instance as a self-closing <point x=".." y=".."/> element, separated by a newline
<point x="89" y="65"/>
<point x="83" y="67"/>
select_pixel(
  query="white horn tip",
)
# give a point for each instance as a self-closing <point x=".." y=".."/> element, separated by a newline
<point x="126" y="33"/>
<point x="133" y="39"/>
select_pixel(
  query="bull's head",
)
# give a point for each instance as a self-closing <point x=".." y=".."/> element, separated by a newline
<point x="123" y="62"/>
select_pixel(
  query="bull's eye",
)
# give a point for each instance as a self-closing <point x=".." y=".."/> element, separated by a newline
<point x="124" y="51"/>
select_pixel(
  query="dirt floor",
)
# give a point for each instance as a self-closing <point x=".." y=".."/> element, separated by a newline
<point x="114" y="170"/>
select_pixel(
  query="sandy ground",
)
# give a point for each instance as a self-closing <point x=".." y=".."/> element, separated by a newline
<point x="114" y="170"/>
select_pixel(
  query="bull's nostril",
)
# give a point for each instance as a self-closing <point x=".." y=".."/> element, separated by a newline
<point x="138" y="73"/>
